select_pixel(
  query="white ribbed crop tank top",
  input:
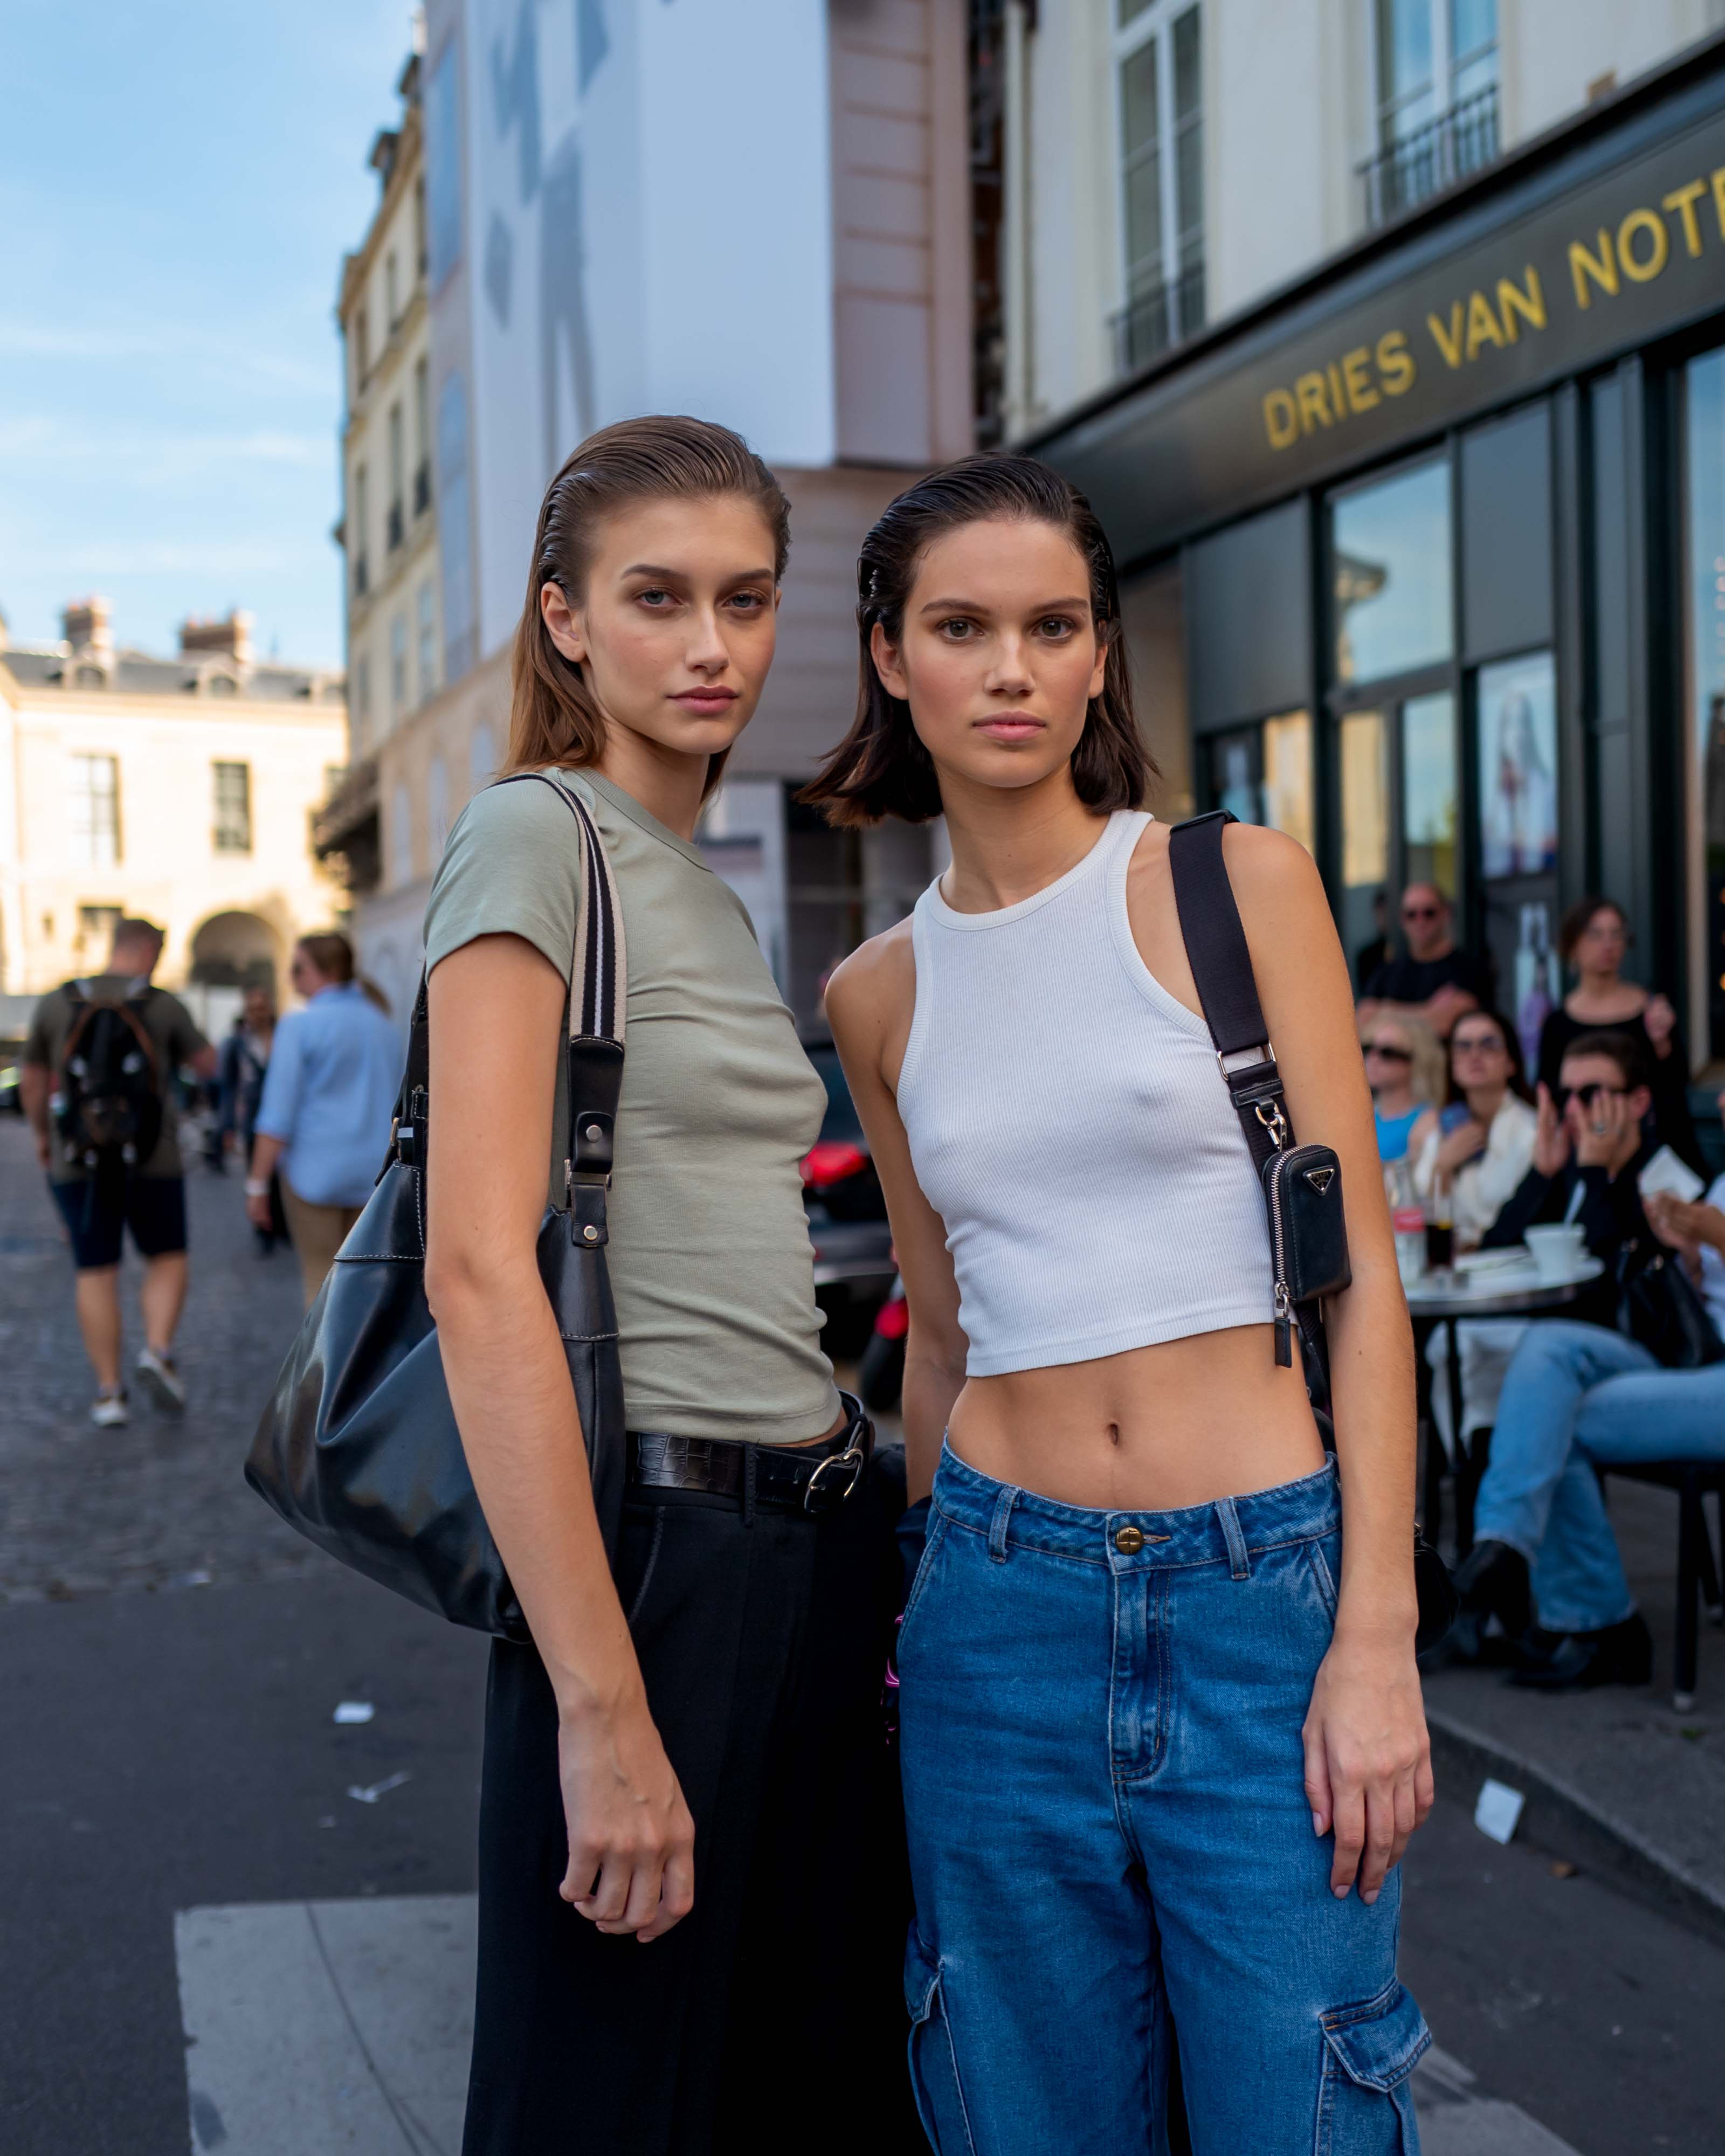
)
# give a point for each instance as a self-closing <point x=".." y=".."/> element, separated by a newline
<point x="1069" y="1122"/>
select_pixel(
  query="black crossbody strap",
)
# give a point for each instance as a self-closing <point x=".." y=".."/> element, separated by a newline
<point x="1227" y="986"/>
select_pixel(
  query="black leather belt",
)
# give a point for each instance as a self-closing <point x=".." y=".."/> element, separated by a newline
<point x="804" y="1478"/>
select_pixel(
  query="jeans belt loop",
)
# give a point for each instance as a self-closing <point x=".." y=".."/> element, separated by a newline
<point x="749" y="1462"/>
<point x="997" y="1527"/>
<point x="1239" y="1564"/>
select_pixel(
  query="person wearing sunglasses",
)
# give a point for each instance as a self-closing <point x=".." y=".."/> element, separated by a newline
<point x="1432" y="980"/>
<point x="1579" y="1398"/>
<point x="1405" y="1069"/>
<point x="1479" y="1152"/>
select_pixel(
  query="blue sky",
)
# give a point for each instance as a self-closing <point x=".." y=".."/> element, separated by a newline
<point x="178" y="182"/>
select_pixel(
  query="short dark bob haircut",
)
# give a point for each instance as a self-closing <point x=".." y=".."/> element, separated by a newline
<point x="881" y="769"/>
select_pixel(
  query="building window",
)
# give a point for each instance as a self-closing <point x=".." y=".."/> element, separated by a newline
<point x="427" y="603"/>
<point x="1435" y="98"/>
<point x="1391" y="575"/>
<point x="357" y="533"/>
<point x="95" y="811"/>
<point x="1263" y="774"/>
<point x="1159" y="63"/>
<point x="397" y="666"/>
<point x="96" y="930"/>
<point x="362" y="701"/>
<point x="422" y="437"/>
<point x="234" y="807"/>
<point x="391" y="291"/>
<point x="397" y="526"/>
<point x="437" y="808"/>
<point x="418" y="229"/>
<point x="361" y="352"/>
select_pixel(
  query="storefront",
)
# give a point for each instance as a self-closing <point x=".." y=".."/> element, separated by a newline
<point x="1424" y="557"/>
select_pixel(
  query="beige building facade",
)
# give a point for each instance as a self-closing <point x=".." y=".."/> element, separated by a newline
<point x="179" y="788"/>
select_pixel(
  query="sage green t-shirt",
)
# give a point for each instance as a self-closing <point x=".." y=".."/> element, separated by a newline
<point x="710" y="1262"/>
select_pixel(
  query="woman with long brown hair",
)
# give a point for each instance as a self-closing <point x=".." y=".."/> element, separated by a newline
<point x="669" y="1961"/>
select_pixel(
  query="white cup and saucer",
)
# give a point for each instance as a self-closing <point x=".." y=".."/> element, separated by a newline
<point x="1559" y="1253"/>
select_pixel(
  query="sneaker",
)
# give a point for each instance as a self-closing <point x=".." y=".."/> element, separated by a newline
<point x="161" y="1380"/>
<point x="110" y="1410"/>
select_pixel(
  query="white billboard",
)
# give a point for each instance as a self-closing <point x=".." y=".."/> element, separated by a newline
<point x="647" y="226"/>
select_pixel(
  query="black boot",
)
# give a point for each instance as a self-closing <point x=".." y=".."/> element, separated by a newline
<point x="1493" y="1581"/>
<point x="1617" y="1654"/>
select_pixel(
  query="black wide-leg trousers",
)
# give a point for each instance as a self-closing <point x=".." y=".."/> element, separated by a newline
<point x="772" y="2018"/>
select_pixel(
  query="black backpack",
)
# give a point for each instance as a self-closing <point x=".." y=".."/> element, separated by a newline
<point x="109" y="1104"/>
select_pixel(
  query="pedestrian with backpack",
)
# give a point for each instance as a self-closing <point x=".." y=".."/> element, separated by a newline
<point x="99" y="1069"/>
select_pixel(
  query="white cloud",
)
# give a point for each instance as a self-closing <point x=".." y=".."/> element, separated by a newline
<point x="38" y="436"/>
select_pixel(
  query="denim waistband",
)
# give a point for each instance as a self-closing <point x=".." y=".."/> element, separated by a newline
<point x="1215" y="1533"/>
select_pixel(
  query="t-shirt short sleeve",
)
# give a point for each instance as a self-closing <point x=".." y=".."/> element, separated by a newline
<point x="183" y="1039"/>
<point x="512" y="867"/>
<point x="42" y="1044"/>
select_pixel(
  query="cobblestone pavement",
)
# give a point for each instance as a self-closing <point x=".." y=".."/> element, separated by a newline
<point x="85" y="1511"/>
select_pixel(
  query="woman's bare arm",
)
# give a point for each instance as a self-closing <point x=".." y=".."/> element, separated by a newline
<point x="1368" y="1758"/>
<point x="870" y="1001"/>
<point x="497" y="1011"/>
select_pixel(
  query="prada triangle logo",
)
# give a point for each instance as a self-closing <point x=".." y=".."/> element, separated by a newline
<point x="1320" y="1178"/>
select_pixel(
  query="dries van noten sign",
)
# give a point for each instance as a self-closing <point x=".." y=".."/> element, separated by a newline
<point x="1521" y="291"/>
<point x="1603" y="266"/>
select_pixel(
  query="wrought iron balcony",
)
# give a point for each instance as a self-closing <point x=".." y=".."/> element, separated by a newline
<point x="1158" y="318"/>
<point x="1462" y="141"/>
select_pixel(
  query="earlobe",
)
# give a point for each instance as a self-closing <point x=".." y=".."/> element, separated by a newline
<point x="563" y="625"/>
<point x="887" y="665"/>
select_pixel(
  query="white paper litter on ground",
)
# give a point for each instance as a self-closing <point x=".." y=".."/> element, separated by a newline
<point x="1499" y="1810"/>
<point x="354" y="1709"/>
<point x="370" y="1794"/>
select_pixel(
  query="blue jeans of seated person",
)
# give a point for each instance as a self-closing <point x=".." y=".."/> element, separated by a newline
<point x="1576" y="1394"/>
<point x="1104" y="1788"/>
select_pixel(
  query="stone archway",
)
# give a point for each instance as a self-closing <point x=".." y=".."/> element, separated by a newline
<point x="235" y="951"/>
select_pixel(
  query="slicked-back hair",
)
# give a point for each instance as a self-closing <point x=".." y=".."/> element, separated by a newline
<point x="881" y="768"/>
<point x="553" y="718"/>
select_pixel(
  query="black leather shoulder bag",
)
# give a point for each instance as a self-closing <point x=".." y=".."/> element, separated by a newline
<point x="1303" y="1184"/>
<point x="358" y="1448"/>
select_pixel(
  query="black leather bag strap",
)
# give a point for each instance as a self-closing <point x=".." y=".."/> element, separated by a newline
<point x="598" y="984"/>
<point x="1227" y="986"/>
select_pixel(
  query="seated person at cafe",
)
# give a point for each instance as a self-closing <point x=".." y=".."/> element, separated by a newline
<point x="1581" y="1395"/>
<point x="1432" y="980"/>
<point x="1404" y="1070"/>
<point x="1477" y="1155"/>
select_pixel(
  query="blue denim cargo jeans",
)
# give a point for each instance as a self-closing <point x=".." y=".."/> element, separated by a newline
<point x="1104" y="1787"/>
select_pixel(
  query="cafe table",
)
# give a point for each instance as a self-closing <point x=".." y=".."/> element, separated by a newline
<point x="1493" y="1289"/>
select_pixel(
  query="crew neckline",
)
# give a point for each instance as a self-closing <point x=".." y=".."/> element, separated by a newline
<point x="1001" y="917"/>
<point x="626" y="805"/>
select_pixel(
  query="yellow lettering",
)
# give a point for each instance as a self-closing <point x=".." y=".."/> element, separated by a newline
<point x="1309" y="389"/>
<point x="1512" y="300"/>
<point x="1481" y="324"/>
<point x="1281" y="420"/>
<point x="1361" y="395"/>
<point x="1642" y="220"/>
<point x="1718" y="178"/>
<point x="1395" y="363"/>
<point x="1683" y="200"/>
<point x="1603" y="270"/>
<point x="1449" y="341"/>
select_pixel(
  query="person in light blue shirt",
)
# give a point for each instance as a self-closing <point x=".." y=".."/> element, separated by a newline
<point x="328" y="1095"/>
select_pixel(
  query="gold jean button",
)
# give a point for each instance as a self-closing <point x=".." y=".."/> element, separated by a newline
<point x="1128" y="1540"/>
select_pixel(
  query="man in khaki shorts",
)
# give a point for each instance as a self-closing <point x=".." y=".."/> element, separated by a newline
<point x="99" y="1067"/>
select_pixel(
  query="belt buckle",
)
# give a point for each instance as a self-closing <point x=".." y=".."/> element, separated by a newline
<point x="855" y="1459"/>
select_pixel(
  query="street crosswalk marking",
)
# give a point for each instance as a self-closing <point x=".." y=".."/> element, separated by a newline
<point x="344" y="2027"/>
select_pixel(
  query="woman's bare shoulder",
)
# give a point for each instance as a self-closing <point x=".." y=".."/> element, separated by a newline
<point x="876" y="982"/>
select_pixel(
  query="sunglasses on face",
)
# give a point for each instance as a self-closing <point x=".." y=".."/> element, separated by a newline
<point x="1479" y="1044"/>
<point x="1587" y="1094"/>
<point x="1422" y="912"/>
<point x="1387" y="1054"/>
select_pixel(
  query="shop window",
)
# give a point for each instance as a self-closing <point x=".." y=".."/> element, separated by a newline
<point x="1391" y="568"/>
<point x="1517" y="720"/>
<point x="1152" y="620"/>
<point x="1262" y="774"/>
<point x="1704" y="448"/>
<point x="1430" y="791"/>
<point x="1161" y="108"/>
<point x="231" y="785"/>
<point x="1363" y="743"/>
<point x="94" y="805"/>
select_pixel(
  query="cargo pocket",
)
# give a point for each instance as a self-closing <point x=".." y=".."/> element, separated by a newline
<point x="1365" y="2106"/>
<point x="934" y="2065"/>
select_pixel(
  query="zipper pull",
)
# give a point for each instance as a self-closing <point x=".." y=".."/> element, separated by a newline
<point x="1284" y="1327"/>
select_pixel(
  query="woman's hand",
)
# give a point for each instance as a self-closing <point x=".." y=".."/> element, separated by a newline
<point x="631" y="1837"/>
<point x="1608" y="1136"/>
<point x="1660" y="1021"/>
<point x="1463" y="1144"/>
<point x="1684" y="1224"/>
<point x="1551" y="1141"/>
<point x="1368" y="1776"/>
